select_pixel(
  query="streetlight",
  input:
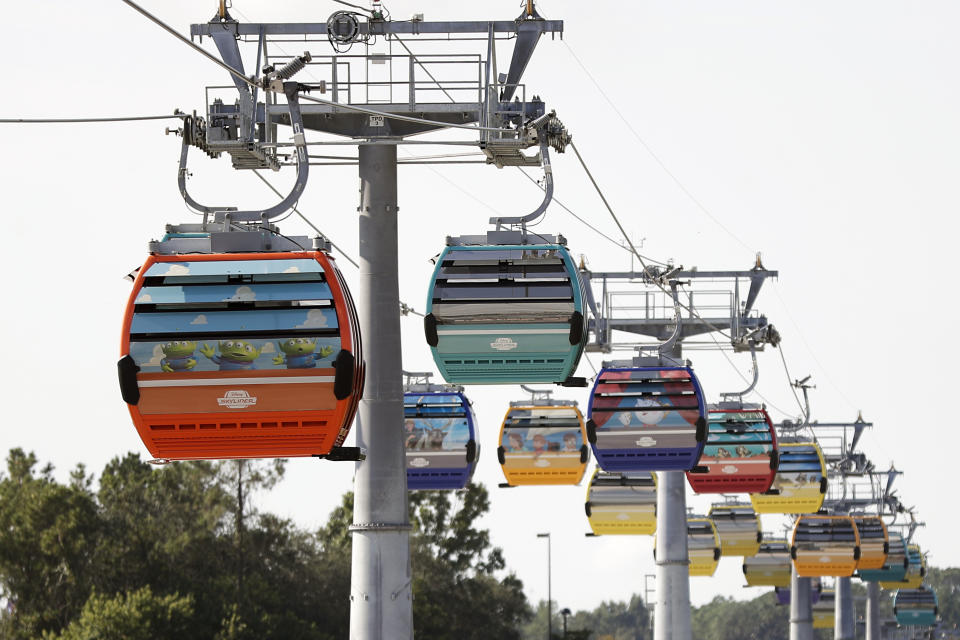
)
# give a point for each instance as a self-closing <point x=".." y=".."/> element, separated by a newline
<point x="549" y="589"/>
<point x="564" y="612"/>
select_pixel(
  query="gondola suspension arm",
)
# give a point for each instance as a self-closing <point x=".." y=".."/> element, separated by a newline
<point x="224" y="214"/>
<point x="547" y="191"/>
<point x="550" y="133"/>
<point x="756" y="376"/>
<point x="667" y="348"/>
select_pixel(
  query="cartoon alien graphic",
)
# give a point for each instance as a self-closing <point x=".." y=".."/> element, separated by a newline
<point x="298" y="353"/>
<point x="178" y="356"/>
<point x="235" y="355"/>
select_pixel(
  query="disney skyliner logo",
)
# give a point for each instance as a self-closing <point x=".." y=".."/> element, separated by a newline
<point x="503" y="344"/>
<point x="237" y="399"/>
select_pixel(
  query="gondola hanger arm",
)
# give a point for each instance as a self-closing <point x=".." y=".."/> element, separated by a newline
<point x="547" y="192"/>
<point x="756" y="377"/>
<point x="230" y="214"/>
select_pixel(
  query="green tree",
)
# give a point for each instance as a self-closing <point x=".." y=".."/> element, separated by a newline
<point x="48" y="533"/>
<point x="610" y="620"/>
<point x="294" y="590"/>
<point x="728" y="619"/>
<point x="140" y="615"/>
<point x="180" y="551"/>
<point x="946" y="584"/>
<point x="167" y="528"/>
<point x="445" y="527"/>
<point x="246" y="477"/>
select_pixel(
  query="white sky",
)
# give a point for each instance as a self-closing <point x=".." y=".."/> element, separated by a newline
<point x="823" y="134"/>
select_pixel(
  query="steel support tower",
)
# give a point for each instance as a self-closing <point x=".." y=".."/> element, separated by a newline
<point x="801" y="608"/>
<point x="380" y="581"/>
<point x="376" y="98"/>
<point x="673" y="317"/>
<point x="671" y="619"/>
<point x="850" y="473"/>
<point x="873" y="611"/>
<point x="844" y="613"/>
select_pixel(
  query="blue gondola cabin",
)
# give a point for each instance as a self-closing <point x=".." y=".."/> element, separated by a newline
<point x="647" y="419"/>
<point x="439" y="431"/>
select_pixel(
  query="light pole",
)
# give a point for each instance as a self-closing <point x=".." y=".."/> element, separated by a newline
<point x="549" y="589"/>
<point x="565" y="612"/>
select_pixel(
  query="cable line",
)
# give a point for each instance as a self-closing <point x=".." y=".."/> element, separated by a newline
<point x="650" y="151"/>
<point x="176" y="114"/>
<point x="660" y="285"/>
<point x="699" y="205"/>
<point x="786" y="370"/>
<point x="743" y="377"/>
<point x="404" y="307"/>
<point x="568" y="210"/>
<point x="634" y="249"/>
<point x="811" y="352"/>
<point x="312" y="226"/>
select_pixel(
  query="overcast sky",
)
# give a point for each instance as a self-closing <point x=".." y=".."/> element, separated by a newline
<point x="822" y="134"/>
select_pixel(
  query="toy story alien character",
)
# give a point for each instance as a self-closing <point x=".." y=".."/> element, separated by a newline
<point x="298" y="353"/>
<point x="178" y="356"/>
<point x="235" y="355"/>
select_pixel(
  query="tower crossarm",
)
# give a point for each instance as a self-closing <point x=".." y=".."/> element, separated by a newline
<point x="638" y="302"/>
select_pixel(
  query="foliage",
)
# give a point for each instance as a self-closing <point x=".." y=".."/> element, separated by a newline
<point x="946" y="584"/>
<point x="140" y="615"/>
<point x="728" y="619"/>
<point x="180" y="551"/>
<point x="608" y="621"/>
<point x="47" y="534"/>
<point x="167" y="529"/>
<point x="456" y="594"/>
<point x="448" y="533"/>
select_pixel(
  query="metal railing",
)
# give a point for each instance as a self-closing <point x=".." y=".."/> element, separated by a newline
<point x="657" y="305"/>
<point x="390" y="78"/>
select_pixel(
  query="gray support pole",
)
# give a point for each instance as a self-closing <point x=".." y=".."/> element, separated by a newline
<point x="672" y="613"/>
<point x="549" y="590"/>
<point x="381" y="605"/>
<point x="844" y="615"/>
<point x="801" y="610"/>
<point x="873" y="611"/>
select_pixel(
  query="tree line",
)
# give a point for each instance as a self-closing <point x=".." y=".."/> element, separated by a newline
<point x="180" y="552"/>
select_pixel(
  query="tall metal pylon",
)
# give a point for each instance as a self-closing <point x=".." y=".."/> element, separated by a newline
<point x="873" y="611"/>
<point x="378" y="98"/>
<point x="380" y="581"/>
<point x="844" y="462"/>
<point x="844" y="613"/>
<point x="673" y="320"/>
<point x="801" y="608"/>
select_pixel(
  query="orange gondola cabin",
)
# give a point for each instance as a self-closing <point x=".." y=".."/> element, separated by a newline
<point x="825" y="546"/>
<point x="241" y="355"/>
